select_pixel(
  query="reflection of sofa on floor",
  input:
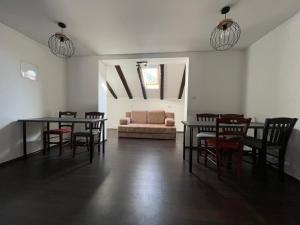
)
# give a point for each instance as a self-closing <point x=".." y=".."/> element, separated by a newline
<point x="148" y="124"/>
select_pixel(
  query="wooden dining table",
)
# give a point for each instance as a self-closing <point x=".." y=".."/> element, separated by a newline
<point x="191" y="125"/>
<point x="48" y="120"/>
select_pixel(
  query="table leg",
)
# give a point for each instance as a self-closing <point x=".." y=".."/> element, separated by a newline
<point x="91" y="143"/>
<point x="48" y="136"/>
<point x="191" y="150"/>
<point x="103" y="137"/>
<point x="24" y="141"/>
<point x="183" y="149"/>
<point x="255" y="165"/>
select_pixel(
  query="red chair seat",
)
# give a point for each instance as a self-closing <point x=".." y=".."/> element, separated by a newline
<point x="224" y="144"/>
<point x="60" y="131"/>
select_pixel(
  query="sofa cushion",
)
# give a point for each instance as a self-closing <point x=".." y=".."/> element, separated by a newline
<point x="124" y="121"/>
<point x="156" y="117"/>
<point x="139" y="117"/>
<point x="169" y="122"/>
<point x="147" y="128"/>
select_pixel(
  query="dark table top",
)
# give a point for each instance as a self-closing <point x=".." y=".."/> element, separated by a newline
<point x="213" y="124"/>
<point x="61" y="119"/>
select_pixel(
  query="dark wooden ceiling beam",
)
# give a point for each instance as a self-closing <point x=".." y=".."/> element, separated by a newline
<point x="162" y="80"/>
<point x="123" y="79"/>
<point x="182" y="85"/>
<point x="111" y="90"/>
<point x="141" y="82"/>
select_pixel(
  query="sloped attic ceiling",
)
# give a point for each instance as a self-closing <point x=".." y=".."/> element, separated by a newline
<point x="173" y="73"/>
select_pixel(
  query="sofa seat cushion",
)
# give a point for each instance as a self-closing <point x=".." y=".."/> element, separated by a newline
<point x="139" y="117"/>
<point x="156" y="117"/>
<point x="147" y="128"/>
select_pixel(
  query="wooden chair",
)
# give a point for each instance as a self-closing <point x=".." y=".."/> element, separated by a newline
<point x="205" y="133"/>
<point x="84" y="136"/>
<point x="276" y="134"/>
<point x="63" y="128"/>
<point x="229" y="139"/>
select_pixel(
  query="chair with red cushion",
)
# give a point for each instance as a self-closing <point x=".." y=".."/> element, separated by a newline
<point x="60" y="132"/>
<point x="229" y="141"/>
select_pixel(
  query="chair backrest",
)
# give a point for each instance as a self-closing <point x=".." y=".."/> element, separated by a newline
<point x="67" y="114"/>
<point x="277" y="131"/>
<point x="94" y="115"/>
<point x="207" y="117"/>
<point x="232" y="127"/>
<point x="231" y="115"/>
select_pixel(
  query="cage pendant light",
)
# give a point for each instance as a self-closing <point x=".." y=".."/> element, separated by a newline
<point x="226" y="34"/>
<point x="60" y="45"/>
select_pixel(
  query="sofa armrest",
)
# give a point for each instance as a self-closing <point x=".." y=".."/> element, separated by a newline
<point x="125" y="121"/>
<point x="169" y="122"/>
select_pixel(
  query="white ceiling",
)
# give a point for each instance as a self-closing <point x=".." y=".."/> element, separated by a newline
<point x="142" y="26"/>
<point x="173" y="75"/>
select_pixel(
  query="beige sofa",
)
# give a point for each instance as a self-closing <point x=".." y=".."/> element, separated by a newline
<point x="148" y="124"/>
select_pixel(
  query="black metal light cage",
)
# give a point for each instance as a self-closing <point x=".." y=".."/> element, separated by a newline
<point x="226" y="34"/>
<point x="60" y="45"/>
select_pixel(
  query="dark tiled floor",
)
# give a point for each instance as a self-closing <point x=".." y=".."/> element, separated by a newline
<point x="139" y="182"/>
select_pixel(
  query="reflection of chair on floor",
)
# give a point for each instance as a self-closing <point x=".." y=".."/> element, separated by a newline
<point x="63" y="128"/>
<point x="84" y="136"/>
<point x="205" y="133"/>
<point x="229" y="142"/>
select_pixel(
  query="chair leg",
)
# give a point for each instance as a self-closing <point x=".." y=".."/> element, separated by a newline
<point x="71" y="141"/>
<point x="44" y="143"/>
<point x="218" y="158"/>
<point x="74" y="146"/>
<point x="239" y="163"/>
<point x="205" y="154"/>
<point x="87" y="143"/>
<point x="99" y="143"/>
<point x="48" y="141"/>
<point x="60" y="144"/>
<point x="254" y="160"/>
<point x="281" y="165"/>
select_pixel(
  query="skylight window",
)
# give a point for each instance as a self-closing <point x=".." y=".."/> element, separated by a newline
<point x="150" y="76"/>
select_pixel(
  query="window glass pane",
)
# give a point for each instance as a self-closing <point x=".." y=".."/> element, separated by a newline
<point x="150" y="76"/>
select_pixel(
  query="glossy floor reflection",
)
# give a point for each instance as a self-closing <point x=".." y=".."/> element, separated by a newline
<point x="139" y="182"/>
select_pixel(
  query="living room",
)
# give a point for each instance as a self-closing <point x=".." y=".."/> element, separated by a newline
<point x="223" y="74"/>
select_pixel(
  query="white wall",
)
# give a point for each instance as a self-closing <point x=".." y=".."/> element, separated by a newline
<point x="83" y="84"/>
<point x="273" y="82"/>
<point x="23" y="98"/>
<point x="85" y="90"/>
<point x="116" y="108"/>
<point x="214" y="83"/>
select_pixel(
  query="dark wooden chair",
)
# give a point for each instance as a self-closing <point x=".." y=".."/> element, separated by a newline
<point x="231" y="115"/>
<point x="50" y="136"/>
<point x="205" y="133"/>
<point x="276" y="134"/>
<point x="229" y="142"/>
<point x="82" y="138"/>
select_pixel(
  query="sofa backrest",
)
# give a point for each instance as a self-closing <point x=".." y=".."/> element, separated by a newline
<point x="156" y="117"/>
<point x="139" y="117"/>
<point x="152" y="117"/>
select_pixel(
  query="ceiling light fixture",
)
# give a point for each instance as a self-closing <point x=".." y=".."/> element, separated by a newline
<point x="226" y="34"/>
<point x="60" y="45"/>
